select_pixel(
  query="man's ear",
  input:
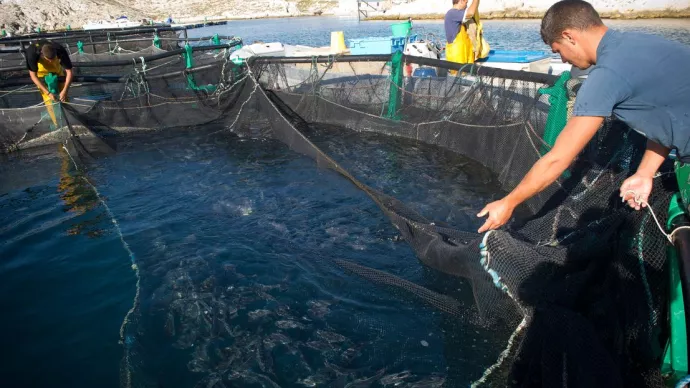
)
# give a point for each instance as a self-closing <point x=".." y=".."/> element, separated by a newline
<point x="568" y="36"/>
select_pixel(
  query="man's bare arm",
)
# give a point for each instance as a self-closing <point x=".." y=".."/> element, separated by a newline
<point x="37" y="82"/>
<point x="572" y="140"/>
<point x="653" y="158"/>
<point x="68" y="82"/>
<point x="637" y="188"/>
<point x="472" y="9"/>
<point x="546" y="170"/>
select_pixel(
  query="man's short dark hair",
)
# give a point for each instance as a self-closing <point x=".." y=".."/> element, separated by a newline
<point x="48" y="51"/>
<point x="456" y="1"/>
<point x="575" y="14"/>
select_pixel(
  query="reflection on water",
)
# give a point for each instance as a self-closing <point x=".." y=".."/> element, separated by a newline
<point x="78" y="197"/>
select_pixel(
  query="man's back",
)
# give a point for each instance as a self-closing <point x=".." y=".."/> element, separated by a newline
<point x="452" y="21"/>
<point x="642" y="80"/>
<point x="33" y="55"/>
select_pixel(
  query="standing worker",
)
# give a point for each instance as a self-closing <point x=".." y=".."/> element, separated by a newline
<point x="640" y="79"/>
<point x="43" y="58"/>
<point x="464" y="34"/>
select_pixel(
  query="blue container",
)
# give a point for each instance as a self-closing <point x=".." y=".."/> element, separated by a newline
<point x="423" y="72"/>
<point x="378" y="45"/>
<point x="510" y="56"/>
<point x="370" y="46"/>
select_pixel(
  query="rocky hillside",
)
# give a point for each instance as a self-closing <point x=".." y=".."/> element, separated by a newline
<point x="24" y="15"/>
<point x="536" y="8"/>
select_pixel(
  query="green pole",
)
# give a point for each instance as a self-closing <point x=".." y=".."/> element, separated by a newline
<point x="558" y="113"/>
<point x="189" y="63"/>
<point x="156" y="41"/>
<point x="396" y="78"/>
<point x="69" y="27"/>
<point x="558" y="110"/>
<point x="80" y="47"/>
<point x="683" y="178"/>
<point x="675" y="362"/>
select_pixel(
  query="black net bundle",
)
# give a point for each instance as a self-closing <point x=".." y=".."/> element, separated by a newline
<point x="578" y="279"/>
<point x="573" y="289"/>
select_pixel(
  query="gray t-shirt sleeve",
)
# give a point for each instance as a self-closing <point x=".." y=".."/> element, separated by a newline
<point x="600" y="93"/>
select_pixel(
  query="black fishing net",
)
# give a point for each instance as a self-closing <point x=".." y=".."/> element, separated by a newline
<point x="139" y="98"/>
<point x="585" y="275"/>
<point x="11" y="59"/>
<point x="103" y="41"/>
<point x="573" y="289"/>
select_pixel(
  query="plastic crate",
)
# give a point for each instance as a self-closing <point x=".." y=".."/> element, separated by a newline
<point x="398" y="43"/>
<point x="370" y="46"/>
<point x="424" y="72"/>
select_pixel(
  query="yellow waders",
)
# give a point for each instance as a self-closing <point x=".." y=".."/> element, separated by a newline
<point x="466" y="48"/>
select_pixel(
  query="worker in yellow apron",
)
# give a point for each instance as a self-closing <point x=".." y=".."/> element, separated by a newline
<point x="44" y="58"/>
<point x="464" y="33"/>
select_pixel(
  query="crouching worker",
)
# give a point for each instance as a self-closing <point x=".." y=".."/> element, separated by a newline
<point x="44" y="58"/>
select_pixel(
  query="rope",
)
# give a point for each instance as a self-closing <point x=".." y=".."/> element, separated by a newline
<point x="13" y="91"/>
<point x="143" y="64"/>
<point x="124" y="340"/>
<point x="639" y="201"/>
<point x="485" y="262"/>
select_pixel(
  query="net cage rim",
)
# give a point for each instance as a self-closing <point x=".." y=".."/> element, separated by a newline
<point x="149" y="58"/>
<point x="87" y="33"/>
<point x="471" y="68"/>
<point x="112" y="78"/>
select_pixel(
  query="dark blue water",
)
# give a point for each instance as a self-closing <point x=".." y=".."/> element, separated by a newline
<point x="63" y="279"/>
<point x="234" y="242"/>
<point x="501" y="34"/>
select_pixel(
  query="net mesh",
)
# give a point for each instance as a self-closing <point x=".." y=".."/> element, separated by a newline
<point x="574" y="286"/>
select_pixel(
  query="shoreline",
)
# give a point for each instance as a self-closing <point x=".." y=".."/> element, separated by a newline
<point x="210" y="19"/>
<point x="508" y="14"/>
<point x="522" y="15"/>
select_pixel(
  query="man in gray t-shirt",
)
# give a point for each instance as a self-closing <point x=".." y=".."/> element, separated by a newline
<point x="454" y="18"/>
<point x="639" y="79"/>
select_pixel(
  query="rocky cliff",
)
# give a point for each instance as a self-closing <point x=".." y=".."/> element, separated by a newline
<point x="25" y="15"/>
<point x="535" y="8"/>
